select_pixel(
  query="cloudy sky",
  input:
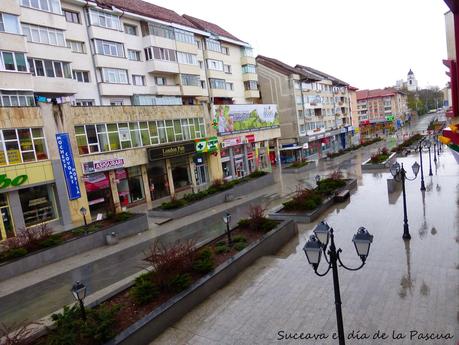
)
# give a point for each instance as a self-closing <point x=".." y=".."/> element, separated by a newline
<point x="368" y="43"/>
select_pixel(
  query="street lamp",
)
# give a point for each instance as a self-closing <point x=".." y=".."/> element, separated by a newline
<point x="227" y="220"/>
<point x="83" y="212"/>
<point x="317" y="243"/>
<point x="435" y="150"/>
<point x="423" y="186"/>
<point x="317" y="179"/>
<point x="427" y="145"/>
<point x="399" y="174"/>
<point x="79" y="293"/>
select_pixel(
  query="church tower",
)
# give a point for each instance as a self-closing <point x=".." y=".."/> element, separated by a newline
<point x="411" y="82"/>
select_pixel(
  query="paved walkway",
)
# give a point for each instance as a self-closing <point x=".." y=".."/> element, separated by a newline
<point x="40" y="292"/>
<point x="404" y="287"/>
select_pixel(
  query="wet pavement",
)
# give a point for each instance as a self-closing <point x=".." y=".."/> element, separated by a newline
<point x="405" y="287"/>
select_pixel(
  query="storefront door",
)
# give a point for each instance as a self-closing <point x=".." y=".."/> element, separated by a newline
<point x="157" y="177"/>
<point x="6" y="222"/>
<point x="201" y="174"/>
<point x="99" y="193"/>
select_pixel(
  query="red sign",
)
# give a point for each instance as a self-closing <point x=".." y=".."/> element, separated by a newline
<point x="250" y="138"/>
<point x="250" y="155"/>
<point x="231" y="142"/>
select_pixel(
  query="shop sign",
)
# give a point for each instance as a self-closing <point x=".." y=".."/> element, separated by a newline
<point x="231" y="142"/>
<point x="305" y="146"/>
<point x="6" y="182"/>
<point x="390" y="117"/>
<point x="207" y="144"/>
<point x="250" y="138"/>
<point x="103" y="165"/>
<point x="68" y="165"/>
<point x="198" y="160"/>
<point x="158" y="153"/>
<point x="239" y="118"/>
<point x="249" y="155"/>
<point x="201" y="145"/>
<point x="343" y="130"/>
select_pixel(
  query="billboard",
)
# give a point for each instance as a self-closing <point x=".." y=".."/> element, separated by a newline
<point x="68" y="165"/>
<point x="232" y="118"/>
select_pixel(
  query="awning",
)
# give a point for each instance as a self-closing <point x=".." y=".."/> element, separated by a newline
<point x="290" y="148"/>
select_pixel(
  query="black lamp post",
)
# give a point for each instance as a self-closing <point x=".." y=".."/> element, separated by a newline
<point x="79" y="293"/>
<point x="317" y="180"/>
<point x="399" y="174"/>
<point x="435" y="150"/>
<point x="317" y="243"/>
<point x="227" y="220"/>
<point x="423" y="186"/>
<point x="83" y="212"/>
<point x="428" y="145"/>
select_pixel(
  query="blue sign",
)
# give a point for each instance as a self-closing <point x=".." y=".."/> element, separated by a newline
<point x="68" y="165"/>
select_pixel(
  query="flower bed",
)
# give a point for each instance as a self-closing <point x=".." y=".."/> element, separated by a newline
<point x="353" y="148"/>
<point x="380" y="156"/>
<point x="408" y="142"/>
<point x="40" y="237"/>
<point x="217" y="187"/>
<point x="174" y="269"/>
<point x="297" y="165"/>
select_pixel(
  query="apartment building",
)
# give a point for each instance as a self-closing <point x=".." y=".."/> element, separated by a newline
<point x="314" y="108"/>
<point x="114" y="52"/>
<point x="381" y="110"/>
<point x="452" y="52"/>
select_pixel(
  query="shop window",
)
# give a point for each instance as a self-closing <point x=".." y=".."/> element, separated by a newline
<point x="22" y="145"/>
<point x="99" y="194"/>
<point x="161" y="132"/>
<point x="192" y="129"/>
<point x="144" y="133"/>
<point x="6" y="221"/>
<point x="82" y="142"/>
<point x="102" y="136"/>
<point x="130" y="185"/>
<point x="180" y="172"/>
<point x="135" y="134"/>
<point x="113" y="136"/>
<point x="178" y="130"/>
<point x="226" y="166"/>
<point x="153" y="132"/>
<point x="37" y="204"/>
<point x="157" y="178"/>
<point x="170" y="131"/>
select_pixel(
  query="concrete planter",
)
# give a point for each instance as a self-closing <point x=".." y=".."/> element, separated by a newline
<point x="153" y="324"/>
<point x="137" y="223"/>
<point x="310" y="165"/>
<point x="215" y="199"/>
<point x="279" y="213"/>
<point x="384" y="165"/>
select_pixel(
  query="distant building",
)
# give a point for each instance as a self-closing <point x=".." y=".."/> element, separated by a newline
<point x="411" y="84"/>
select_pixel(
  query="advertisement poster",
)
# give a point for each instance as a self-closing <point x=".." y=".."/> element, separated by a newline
<point x="68" y="165"/>
<point x="245" y="117"/>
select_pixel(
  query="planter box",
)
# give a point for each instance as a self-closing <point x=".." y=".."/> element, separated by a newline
<point x="149" y="327"/>
<point x="310" y="165"/>
<point x="215" y="199"/>
<point x="137" y="223"/>
<point x="279" y="213"/>
<point x="383" y="165"/>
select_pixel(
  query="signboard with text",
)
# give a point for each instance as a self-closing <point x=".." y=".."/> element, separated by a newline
<point x="68" y="165"/>
<point x="239" y="118"/>
<point x="158" y="153"/>
<point x="103" y="165"/>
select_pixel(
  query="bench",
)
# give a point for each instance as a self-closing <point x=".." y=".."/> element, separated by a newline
<point x="342" y="196"/>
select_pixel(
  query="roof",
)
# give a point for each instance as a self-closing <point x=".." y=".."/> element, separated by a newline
<point x="210" y="27"/>
<point x="410" y="72"/>
<point x="377" y="93"/>
<point x="352" y="88"/>
<point x="283" y="68"/>
<point x="146" y="9"/>
<point x="322" y="75"/>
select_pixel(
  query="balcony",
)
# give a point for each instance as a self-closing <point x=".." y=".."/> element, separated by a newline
<point x="62" y="86"/>
<point x="37" y="17"/>
<point x="162" y="66"/>
<point x="108" y="89"/>
<point x="44" y="51"/>
<point x="12" y="42"/>
<point x="216" y="74"/>
<point x="110" y="61"/>
<point x="10" y="6"/>
<point x="249" y="76"/>
<point x="221" y="93"/>
<point x="166" y="90"/>
<point x="188" y="90"/>
<point x="161" y="42"/>
<point x="16" y="80"/>
<point x="252" y="94"/>
<point x="209" y="54"/>
<point x="245" y="60"/>
<point x="189" y="69"/>
<point x="186" y="47"/>
<point x="106" y="34"/>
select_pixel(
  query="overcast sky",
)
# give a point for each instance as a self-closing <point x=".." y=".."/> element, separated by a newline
<point x="367" y="43"/>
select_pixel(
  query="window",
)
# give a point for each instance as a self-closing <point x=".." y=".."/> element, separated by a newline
<point x="81" y="76"/>
<point x="109" y="48"/>
<point x="9" y="23"/>
<point x="84" y="102"/>
<point x="227" y="69"/>
<point x="217" y="83"/>
<point x="203" y="84"/>
<point x="229" y="86"/>
<point x="130" y="29"/>
<point x="215" y="65"/>
<point x="225" y="50"/>
<point x="133" y="55"/>
<point x="201" y="64"/>
<point x="16" y="99"/>
<point x="22" y="145"/>
<point x="164" y="54"/>
<point x="187" y="58"/>
<point x="13" y="61"/>
<point x="213" y="45"/>
<point x="184" y="36"/>
<point x="76" y="46"/>
<point x="199" y="44"/>
<point x="116" y="102"/>
<point x="114" y="76"/>
<point x="161" y="30"/>
<point x="53" y="6"/>
<point x="105" y="20"/>
<point x="250" y="85"/>
<point x="71" y="17"/>
<point x="156" y="100"/>
<point x="44" y="35"/>
<point x="249" y="69"/>
<point x="138" y="79"/>
<point x="38" y="204"/>
<point x="191" y="80"/>
<point x="247" y="52"/>
<point x="160" y="81"/>
<point x="53" y="69"/>
<point x="148" y="53"/>
<point x="300" y="113"/>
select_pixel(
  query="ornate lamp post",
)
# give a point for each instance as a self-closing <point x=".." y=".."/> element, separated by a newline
<point x="423" y="186"/>
<point x="227" y="220"/>
<point x="317" y="244"/>
<point x="399" y="174"/>
<point x="427" y="145"/>
<point x="83" y="212"/>
<point x="317" y="180"/>
<point x="79" y="293"/>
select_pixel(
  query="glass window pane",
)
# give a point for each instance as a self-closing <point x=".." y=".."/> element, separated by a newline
<point x="103" y="142"/>
<point x="40" y="149"/>
<point x="145" y="137"/>
<point x="8" y="61"/>
<point x="39" y="68"/>
<point x="12" y="149"/>
<point x="153" y="128"/>
<point x="37" y="132"/>
<point x="9" y="134"/>
<point x="91" y="133"/>
<point x="28" y="157"/>
<point x="162" y="135"/>
<point x="58" y="69"/>
<point x="21" y="62"/>
<point x="25" y="139"/>
<point x="78" y="130"/>
<point x="114" y="140"/>
<point x="37" y="204"/>
<point x="49" y="68"/>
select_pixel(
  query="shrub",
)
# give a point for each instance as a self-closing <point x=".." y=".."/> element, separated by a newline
<point x="244" y="223"/>
<point x="257" y="173"/>
<point x="220" y="249"/>
<point x="144" y="290"/>
<point x="329" y="185"/>
<point x="239" y="246"/>
<point x="51" y="241"/>
<point x="13" y="253"/>
<point x="204" y="261"/>
<point x="171" y="260"/>
<point x="239" y="238"/>
<point x="304" y="200"/>
<point x="220" y="243"/>
<point x="179" y="282"/>
<point x="174" y="203"/>
<point x="120" y="217"/>
<point x="99" y="327"/>
<point x="336" y="175"/>
<point x="29" y="238"/>
<point x="267" y="225"/>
